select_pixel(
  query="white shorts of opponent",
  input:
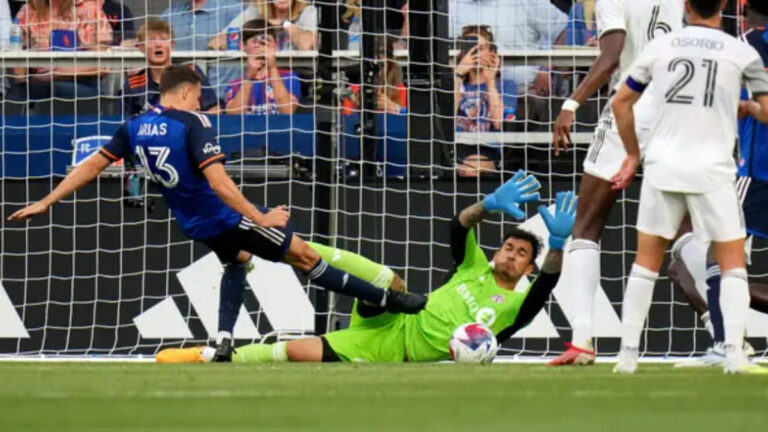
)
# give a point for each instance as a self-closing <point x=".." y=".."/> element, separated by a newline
<point x="716" y="215"/>
<point x="606" y="153"/>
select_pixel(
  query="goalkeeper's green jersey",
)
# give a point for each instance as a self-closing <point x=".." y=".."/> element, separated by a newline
<point x="471" y="295"/>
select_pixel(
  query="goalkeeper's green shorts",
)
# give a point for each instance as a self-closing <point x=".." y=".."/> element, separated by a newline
<point x="374" y="340"/>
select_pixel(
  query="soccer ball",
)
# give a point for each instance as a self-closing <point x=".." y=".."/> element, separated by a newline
<point x="473" y="343"/>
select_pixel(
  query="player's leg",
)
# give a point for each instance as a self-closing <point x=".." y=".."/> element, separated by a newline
<point x="658" y="219"/>
<point x="302" y="257"/>
<point x="232" y="288"/>
<point x="604" y="159"/>
<point x="313" y="349"/>
<point x="374" y="273"/>
<point x="717" y="215"/>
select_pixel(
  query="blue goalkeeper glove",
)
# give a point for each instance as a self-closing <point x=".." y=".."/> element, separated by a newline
<point x="521" y="188"/>
<point x="560" y="224"/>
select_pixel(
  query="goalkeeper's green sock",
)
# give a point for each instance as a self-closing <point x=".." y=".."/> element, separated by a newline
<point x="261" y="353"/>
<point x="376" y="274"/>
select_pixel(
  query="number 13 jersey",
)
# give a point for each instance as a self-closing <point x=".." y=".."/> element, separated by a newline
<point x="174" y="147"/>
<point x="697" y="76"/>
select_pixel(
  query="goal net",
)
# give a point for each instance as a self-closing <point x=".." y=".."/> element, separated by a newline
<point x="372" y="155"/>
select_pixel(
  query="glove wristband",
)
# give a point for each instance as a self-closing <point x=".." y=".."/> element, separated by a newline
<point x="489" y="202"/>
<point x="556" y="243"/>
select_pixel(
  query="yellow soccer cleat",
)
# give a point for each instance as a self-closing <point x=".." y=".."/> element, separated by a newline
<point x="180" y="355"/>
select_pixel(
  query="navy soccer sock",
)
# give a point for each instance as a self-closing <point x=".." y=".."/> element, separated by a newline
<point x="342" y="282"/>
<point x="231" y="296"/>
<point x="713" y="299"/>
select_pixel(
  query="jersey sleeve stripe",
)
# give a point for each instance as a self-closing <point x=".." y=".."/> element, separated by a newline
<point x="635" y="85"/>
<point x="210" y="160"/>
<point x="108" y="155"/>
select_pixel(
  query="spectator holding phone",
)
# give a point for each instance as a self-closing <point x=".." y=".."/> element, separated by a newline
<point x="478" y="101"/>
<point x="69" y="24"/>
<point x="298" y="21"/>
<point x="264" y="89"/>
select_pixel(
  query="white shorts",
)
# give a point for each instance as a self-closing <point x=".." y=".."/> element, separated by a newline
<point x="715" y="215"/>
<point x="606" y="153"/>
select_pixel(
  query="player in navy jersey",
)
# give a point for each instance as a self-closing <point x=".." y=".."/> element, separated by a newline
<point x="179" y="152"/>
<point x="701" y="285"/>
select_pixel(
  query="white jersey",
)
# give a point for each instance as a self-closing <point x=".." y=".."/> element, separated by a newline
<point x="642" y="21"/>
<point x="698" y="74"/>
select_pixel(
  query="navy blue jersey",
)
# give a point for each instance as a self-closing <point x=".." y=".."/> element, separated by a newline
<point x="175" y="147"/>
<point x="141" y="91"/>
<point x="753" y="136"/>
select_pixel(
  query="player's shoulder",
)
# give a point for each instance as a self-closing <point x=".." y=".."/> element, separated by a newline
<point x="189" y="118"/>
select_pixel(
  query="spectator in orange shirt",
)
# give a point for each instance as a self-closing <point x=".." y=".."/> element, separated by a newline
<point x="38" y="19"/>
<point x="391" y="94"/>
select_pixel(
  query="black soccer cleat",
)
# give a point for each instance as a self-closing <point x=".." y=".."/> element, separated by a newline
<point x="404" y="302"/>
<point x="223" y="352"/>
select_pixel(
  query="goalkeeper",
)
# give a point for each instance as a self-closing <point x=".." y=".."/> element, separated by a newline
<point x="478" y="291"/>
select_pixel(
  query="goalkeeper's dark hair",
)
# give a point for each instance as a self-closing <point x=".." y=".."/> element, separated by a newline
<point x="175" y="75"/>
<point x="521" y="234"/>
<point x="706" y="8"/>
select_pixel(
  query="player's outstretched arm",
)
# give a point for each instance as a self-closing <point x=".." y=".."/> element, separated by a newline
<point x="81" y="175"/>
<point x="625" y="99"/>
<point x="560" y="225"/>
<point x="611" y="45"/>
<point x="519" y="189"/>
<point x="228" y="191"/>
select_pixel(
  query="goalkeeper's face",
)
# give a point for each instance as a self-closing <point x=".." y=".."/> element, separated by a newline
<point x="513" y="260"/>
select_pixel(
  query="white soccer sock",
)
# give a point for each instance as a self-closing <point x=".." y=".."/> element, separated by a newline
<point x="207" y="354"/>
<point x="693" y="253"/>
<point x="280" y="352"/>
<point x="708" y="324"/>
<point x="223" y="335"/>
<point x="584" y="268"/>
<point x="734" y="304"/>
<point x="637" y="301"/>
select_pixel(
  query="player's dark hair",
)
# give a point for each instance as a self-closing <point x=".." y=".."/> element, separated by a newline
<point x="176" y="75"/>
<point x="706" y="8"/>
<point x="521" y="234"/>
<point x="759" y="6"/>
<point x="259" y="27"/>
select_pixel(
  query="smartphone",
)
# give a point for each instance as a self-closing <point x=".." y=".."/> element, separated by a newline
<point x="464" y="45"/>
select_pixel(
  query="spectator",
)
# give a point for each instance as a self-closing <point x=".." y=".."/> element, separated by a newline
<point x="195" y="22"/>
<point x="582" y="28"/>
<point x="478" y="99"/>
<point x="520" y="25"/>
<point x="5" y="24"/>
<point x="391" y="96"/>
<point x="298" y="20"/>
<point x="265" y="89"/>
<point x="219" y="42"/>
<point x="142" y="89"/>
<point x="38" y="19"/>
<point x="120" y="18"/>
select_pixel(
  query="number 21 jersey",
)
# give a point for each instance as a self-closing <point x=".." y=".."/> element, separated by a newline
<point x="697" y="76"/>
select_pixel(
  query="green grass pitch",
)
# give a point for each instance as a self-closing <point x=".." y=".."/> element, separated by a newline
<point x="352" y="397"/>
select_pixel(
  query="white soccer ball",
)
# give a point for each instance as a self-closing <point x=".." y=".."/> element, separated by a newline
<point x="473" y="343"/>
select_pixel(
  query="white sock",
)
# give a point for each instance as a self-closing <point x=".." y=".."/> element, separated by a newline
<point x="708" y="324"/>
<point x="584" y="268"/>
<point x="223" y="335"/>
<point x="693" y="253"/>
<point x="734" y="304"/>
<point x="279" y="352"/>
<point x="637" y="301"/>
<point x="207" y="354"/>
